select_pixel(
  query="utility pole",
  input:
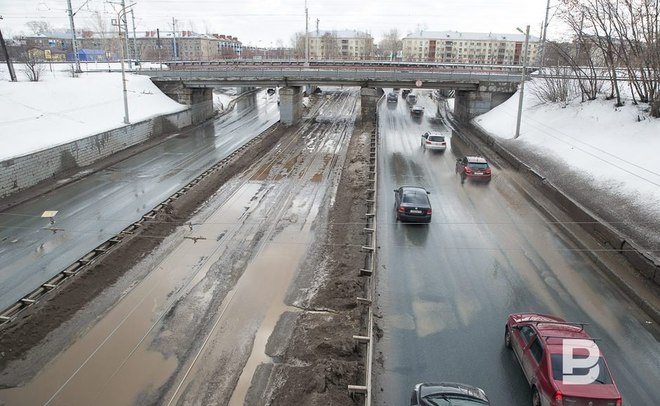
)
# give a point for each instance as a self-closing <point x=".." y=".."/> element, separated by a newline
<point x="12" y="74"/>
<point x="74" y="41"/>
<point x="543" y="36"/>
<point x="174" y="38"/>
<point x="306" y="35"/>
<point x="159" y="46"/>
<point x="135" y="53"/>
<point x="317" y="26"/>
<point x="522" y="81"/>
<point x="125" y="22"/>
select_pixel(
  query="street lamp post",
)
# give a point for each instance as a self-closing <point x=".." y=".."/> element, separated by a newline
<point x="121" y="14"/>
<point x="522" y="80"/>
<point x="306" y="36"/>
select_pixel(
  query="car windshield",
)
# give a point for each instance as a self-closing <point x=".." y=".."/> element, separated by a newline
<point x="478" y="165"/>
<point x="452" y="400"/>
<point x="416" y="198"/>
<point x="436" y="138"/>
<point x="557" y="374"/>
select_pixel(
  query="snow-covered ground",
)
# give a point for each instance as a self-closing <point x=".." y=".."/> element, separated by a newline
<point x="60" y="108"/>
<point x="616" y="148"/>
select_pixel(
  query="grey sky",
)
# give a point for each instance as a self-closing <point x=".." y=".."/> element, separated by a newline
<point x="264" y="22"/>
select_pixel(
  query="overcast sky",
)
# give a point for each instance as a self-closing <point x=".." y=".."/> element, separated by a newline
<point x="264" y="22"/>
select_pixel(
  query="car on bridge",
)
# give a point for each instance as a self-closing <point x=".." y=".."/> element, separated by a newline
<point x="434" y="141"/>
<point x="411" y="98"/>
<point x="412" y="204"/>
<point x="447" y="393"/>
<point x="392" y="97"/>
<point x="473" y="167"/>
<point x="405" y="92"/>
<point x="544" y="346"/>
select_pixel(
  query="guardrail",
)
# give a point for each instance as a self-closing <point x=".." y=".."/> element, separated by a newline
<point x="370" y="266"/>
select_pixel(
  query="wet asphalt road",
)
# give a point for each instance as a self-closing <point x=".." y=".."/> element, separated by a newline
<point x="445" y="290"/>
<point x="93" y="209"/>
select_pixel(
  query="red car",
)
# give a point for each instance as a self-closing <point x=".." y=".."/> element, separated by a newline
<point x="543" y="344"/>
<point x="473" y="167"/>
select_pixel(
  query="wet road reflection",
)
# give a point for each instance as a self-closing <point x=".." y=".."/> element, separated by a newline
<point x="445" y="291"/>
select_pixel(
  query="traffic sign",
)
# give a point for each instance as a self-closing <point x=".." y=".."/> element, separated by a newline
<point x="418" y="83"/>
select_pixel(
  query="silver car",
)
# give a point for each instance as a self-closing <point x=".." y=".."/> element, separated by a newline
<point x="434" y="141"/>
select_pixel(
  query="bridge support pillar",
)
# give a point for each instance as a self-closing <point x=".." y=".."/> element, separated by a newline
<point x="200" y="99"/>
<point x="291" y="105"/>
<point x="469" y="104"/>
<point x="368" y="100"/>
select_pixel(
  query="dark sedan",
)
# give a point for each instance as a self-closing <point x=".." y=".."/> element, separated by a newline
<point x="447" y="393"/>
<point x="412" y="204"/>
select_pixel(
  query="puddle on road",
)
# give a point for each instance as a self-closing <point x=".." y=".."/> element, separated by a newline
<point x="110" y="364"/>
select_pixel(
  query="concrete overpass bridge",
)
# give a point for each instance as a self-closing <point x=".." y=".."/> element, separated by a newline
<point x="479" y="88"/>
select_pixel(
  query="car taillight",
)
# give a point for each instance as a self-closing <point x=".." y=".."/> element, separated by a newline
<point x="429" y="212"/>
<point x="402" y="210"/>
<point x="619" y="402"/>
<point x="558" y="398"/>
<point x="487" y="171"/>
<point x="429" y="142"/>
<point x="468" y="170"/>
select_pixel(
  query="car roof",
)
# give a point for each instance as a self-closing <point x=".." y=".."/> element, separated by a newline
<point x="413" y="189"/>
<point x="553" y="329"/>
<point x="451" y="388"/>
<point x="474" y="158"/>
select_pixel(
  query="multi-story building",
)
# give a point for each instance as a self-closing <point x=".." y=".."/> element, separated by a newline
<point x="189" y="46"/>
<point x="338" y="44"/>
<point x="467" y="47"/>
<point x="146" y="46"/>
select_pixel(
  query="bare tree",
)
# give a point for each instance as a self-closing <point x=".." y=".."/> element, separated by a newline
<point x="391" y="44"/>
<point x="32" y="66"/>
<point x="39" y="27"/>
<point x="627" y="35"/>
<point x="298" y="45"/>
<point x="555" y="88"/>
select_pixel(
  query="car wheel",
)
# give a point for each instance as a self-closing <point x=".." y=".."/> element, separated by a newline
<point x="507" y="337"/>
<point x="536" y="397"/>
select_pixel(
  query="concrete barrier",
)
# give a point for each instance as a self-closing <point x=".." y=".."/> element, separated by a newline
<point x="20" y="173"/>
<point x="645" y="263"/>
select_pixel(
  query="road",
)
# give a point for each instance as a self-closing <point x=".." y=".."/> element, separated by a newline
<point x="95" y="208"/>
<point x="445" y="290"/>
<point x="194" y="330"/>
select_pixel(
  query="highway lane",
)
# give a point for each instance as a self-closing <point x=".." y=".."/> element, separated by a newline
<point x="95" y="208"/>
<point x="444" y="290"/>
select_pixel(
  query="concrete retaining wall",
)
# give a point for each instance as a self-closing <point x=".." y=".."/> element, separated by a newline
<point x="644" y="262"/>
<point x="19" y="173"/>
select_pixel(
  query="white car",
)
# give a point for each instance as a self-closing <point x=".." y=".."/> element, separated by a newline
<point x="417" y="111"/>
<point x="434" y="141"/>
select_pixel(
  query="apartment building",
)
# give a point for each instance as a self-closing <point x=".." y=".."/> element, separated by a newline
<point x="189" y="46"/>
<point x="338" y="44"/>
<point x="467" y="47"/>
<point x="146" y="46"/>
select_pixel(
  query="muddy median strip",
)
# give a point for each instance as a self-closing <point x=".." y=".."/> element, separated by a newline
<point x="25" y="324"/>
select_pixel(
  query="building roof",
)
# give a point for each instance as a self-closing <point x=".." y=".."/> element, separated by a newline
<point x="474" y="36"/>
<point x="340" y="34"/>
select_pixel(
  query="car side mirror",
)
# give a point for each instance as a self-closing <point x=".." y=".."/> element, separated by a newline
<point x="428" y="193"/>
<point x="395" y="190"/>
